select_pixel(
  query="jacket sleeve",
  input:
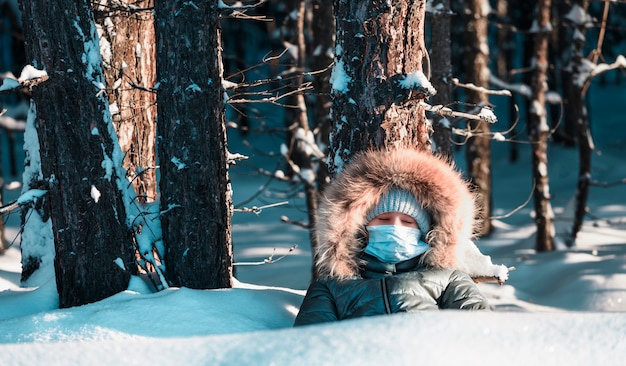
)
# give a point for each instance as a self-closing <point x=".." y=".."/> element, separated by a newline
<point x="462" y="293"/>
<point x="318" y="306"/>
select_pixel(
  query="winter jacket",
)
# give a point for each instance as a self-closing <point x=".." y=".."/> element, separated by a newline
<point x="349" y="283"/>
<point x="386" y="289"/>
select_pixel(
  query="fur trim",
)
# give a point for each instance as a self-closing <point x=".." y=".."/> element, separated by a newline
<point x="348" y="198"/>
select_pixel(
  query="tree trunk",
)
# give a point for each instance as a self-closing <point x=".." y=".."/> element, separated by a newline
<point x="559" y="46"/>
<point x="504" y="65"/>
<point x="129" y="71"/>
<point x="323" y="27"/>
<point x="478" y="147"/>
<point x="92" y="244"/>
<point x="379" y="46"/>
<point x="441" y="60"/>
<point x="578" y="110"/>
<point x="303" y="152"/>
<point x="539" y="131"/>
<point x="196" y="201"/>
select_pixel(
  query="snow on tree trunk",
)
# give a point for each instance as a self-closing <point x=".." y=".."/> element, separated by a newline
<point x="128" y="51"/>
<point x="78" y="151"/>
<point x="441" y="60"/>
<point x="378" y="80"/>
<point x="127" y="47"/>
<point x="37" y="241"/>
<point x="478" y="148"/>
<point x="539" y="130"/>
<point x="196" y="203"/>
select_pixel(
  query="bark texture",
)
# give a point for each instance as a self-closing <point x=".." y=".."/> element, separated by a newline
<point x="130" y="73"/>
<point x="539" y="131"/>
<point x="574" y="83"/>
<point x="323" y="29"/>
<point x="92" y="243"/>
<point x="478" y="147"/>
<point x="196" y="201"/>
<point x="441" y="59"/>
<point x="378" y="44"/>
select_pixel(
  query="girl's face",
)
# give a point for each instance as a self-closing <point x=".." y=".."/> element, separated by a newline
<point x="394" y="218"/>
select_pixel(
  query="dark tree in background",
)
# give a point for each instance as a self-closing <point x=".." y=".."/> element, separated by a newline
<point x="92" y="244"/>
<point x="539" y="131"/>
<point x="441" y="62"/>
<point x="323" y="51"/>
<point x="301" y="142"/>
<point x="379" y="44"/>
<point x="196" y="201"/>
<point x="478" y="148"/>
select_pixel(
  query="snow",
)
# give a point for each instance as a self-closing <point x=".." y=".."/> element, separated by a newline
<point x="29" y="73"/>
<point x="579" y="16"/>
<point x="486" y="114"/>
<point x="180" y="165"/>
<point x="339" y="79"/>
<point x="95" y="194"/>
<point x="31" y="196"/>
<point x="417" y="80"/>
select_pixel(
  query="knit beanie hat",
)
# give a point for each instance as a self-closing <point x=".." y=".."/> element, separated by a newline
<point x="399" y="200"/>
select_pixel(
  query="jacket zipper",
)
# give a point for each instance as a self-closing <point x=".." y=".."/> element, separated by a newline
<point x="383" y="283"/>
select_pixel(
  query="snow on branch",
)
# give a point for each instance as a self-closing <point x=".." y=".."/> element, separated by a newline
<point x="523" y="90"/>
<point x="238" y="5"/>
<point x="238" y="10"/>
<point x="25" y="199"/>
<point x="480" y="89"/>
<point x="29" y="77"/>
<point x="233" y="158"/>
<point x="485" y="113"/>
<point x="417" y="81"/>
<point x="620" y="63"/>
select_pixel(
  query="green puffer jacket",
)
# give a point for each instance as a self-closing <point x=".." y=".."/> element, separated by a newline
<point x="386" y="289"/>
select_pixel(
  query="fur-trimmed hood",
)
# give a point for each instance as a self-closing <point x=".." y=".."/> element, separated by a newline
<point x="348" y="198"/>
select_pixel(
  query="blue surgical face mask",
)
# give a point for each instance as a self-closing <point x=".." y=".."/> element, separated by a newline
<point x="394" y="243"/>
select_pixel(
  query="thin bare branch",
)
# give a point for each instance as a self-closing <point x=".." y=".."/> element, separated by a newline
<point x="269" y="259"/>
<point x="447" y="112"/>
<point x="257" y="210"/>
<point x="530" y="196"/>
<point x="480" y="89"/>
<point x="595" y="54"/>
<point x="9" y="207"/>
